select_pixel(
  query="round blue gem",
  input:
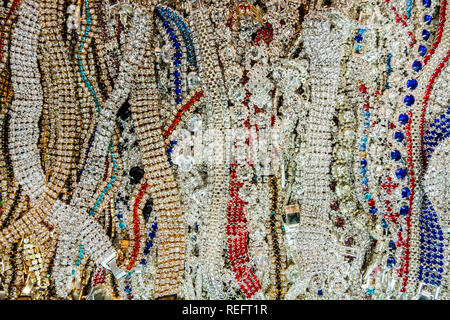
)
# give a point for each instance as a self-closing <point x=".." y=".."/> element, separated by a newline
<point x="392" y="245"/>
<point x="363" y="163"/>
<point x="404" y="210"/>
<point x="427" y="19"/>
<point x="426" y="3"/>
<point x="403" y="118"/>
<point x="396" y="155"/>
<point x="425" y="35"/>
<point x="412" y="84"/>
<point x="417" y="66"/>
<point x="409" y="100"/>
<point x="391" y="262"/>
<point x="405" y="192"/>
<point x="399" y="136"/>
<point x="358" y="38"/>
<point x="400" y="173"/>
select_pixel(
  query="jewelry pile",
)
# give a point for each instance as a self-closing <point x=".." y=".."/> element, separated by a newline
<point x="219" y="149"/>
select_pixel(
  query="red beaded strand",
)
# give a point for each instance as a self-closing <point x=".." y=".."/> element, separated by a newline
<point x="136" y="226"/>
<point x="182" y="111"/>
<point x="237" y="235"/>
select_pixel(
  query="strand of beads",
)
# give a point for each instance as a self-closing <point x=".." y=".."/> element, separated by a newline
<point x="426" y="33"/>
<point x="426" y="84"/>
<point x="402" y="20"/>
<point x="369" y="197"/>
<point x="6" y="22"/>
<point x="237" y="237"/>
<point x="161" y="183"/>
<point x="388" y="70"/>
<point x="211" y="230"/>
<point x="275" y="241"/>
<point x="79" y="257"/>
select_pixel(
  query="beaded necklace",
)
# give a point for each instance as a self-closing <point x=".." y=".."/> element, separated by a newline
<point x="159" y="182"/>
<point x="213" y="221"/>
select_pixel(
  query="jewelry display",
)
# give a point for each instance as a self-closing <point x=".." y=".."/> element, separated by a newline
<point x="224" y="150"/>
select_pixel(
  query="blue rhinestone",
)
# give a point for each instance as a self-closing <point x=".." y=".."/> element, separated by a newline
<point x="425" y="35"/>
<point x="363" y="163"/>
<point x="426" y="3"/>
<point x="364" y="180"/>
<point x="392" y="245"/>
<point x="358" y="38"/>
<point x="373" y="210"/>
<point x="391" y="262"/>
<point x="396" y="155"/>
<point x="399" y="136"/>
<point x="400" y="173"/>
<point x="178" y="100"/>
<point x="427" y="19"/>
<point x="320" y="292"/>
<point x="405" y="192"/>
<point x="403" y="118"/>
<point x="404" y="210"/>
<point x="412" y="84"/>
<point x="409" y="100"/>
<point x="417" y="66"/>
